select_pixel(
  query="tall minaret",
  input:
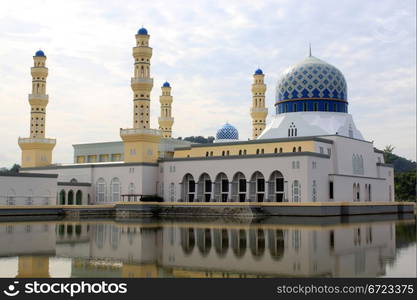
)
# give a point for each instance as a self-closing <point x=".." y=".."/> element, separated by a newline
<point x="37" y="150"/>
<point x="141" y="143"/>
<point x="166" y="120"/>
<point x="258" y="111"/>
<point x="142" y="82"/>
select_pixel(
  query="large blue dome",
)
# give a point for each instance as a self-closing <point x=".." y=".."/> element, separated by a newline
<point x="166" y="84"/>
<point x="143" y="31"/>
<point x="227" y="132"/>
<point x="312" y="85"/>
<point x="39" y="53"/>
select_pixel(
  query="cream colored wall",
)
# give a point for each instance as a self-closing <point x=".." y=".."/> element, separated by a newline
<point x="250" y="149"/>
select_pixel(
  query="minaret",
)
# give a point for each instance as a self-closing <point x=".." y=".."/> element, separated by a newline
<point x="166" y="120"/>
<point x="140" y="142"/>
<point x="37" y="150"/>
<point x="142" y="83"/>
<point x="258" y="111"/>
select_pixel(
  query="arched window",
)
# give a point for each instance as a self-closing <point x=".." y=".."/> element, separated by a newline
<point x="326" y="106"/>
<point x="257" y="151"/>
<point x="350" y="131"/>
<point x="240" y="152"/>
<point x="70" y="197"/>
<point x="299" y="149"/>
<point x="296" y="191"/>
<point x="115" y="189"/>
<point x="78" y="197"/>
<point x="11" y="195"/>
<point x="280" y="150"/>
<point x="276" y="150"/>
<point x="276" y="187"/>
<point x="131" y="189"/>
<point x="62" y="197"/>
<point x="314" y="189"/>
<point x="188" y="188"/>
<point x="294" y="149"/>
<point x="101" y="190"/>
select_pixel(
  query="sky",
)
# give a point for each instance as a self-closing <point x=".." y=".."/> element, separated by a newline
<point x="208" y="51"/>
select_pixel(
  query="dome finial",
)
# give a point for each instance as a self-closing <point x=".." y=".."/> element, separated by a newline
<point x="309" y="49"/>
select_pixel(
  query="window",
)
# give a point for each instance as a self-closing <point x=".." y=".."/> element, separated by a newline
<point x="280" y="150"/>
<point x="321" y="150"/>
<point x="314" y="164"/>
<point x="315" y="106"/>
<point x="276" y="150"/>
<point x="331" y="189"/>
<point x="299" y="149"/>
<point x="335" y="107"/>
<point x="304" y="106"/>
<point x="115" y="189"/>
<point x="296" y="191"/>
<point x="294" y="107"/>
<point x="131" y="188"/>
<point x="326" y="106"/>
<point x="314" y="191"/>
<point x="101" y="190"/>
<point x="294" y="149"/>
<point x="350" y="131"/>
<point x="329" y="151"/>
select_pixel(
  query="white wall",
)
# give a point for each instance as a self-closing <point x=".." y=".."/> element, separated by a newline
<point x="23" y="190"/>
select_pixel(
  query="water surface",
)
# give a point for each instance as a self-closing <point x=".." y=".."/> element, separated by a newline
<point x="369" y="246"/>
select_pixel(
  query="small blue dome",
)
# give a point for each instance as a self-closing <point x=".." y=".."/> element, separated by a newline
<point x="258" y="72"/>
<point x="227" y="132"/>
<point x="143" y="31"/>
<point x="39" y="53"/>
<point x="166" y="84"/>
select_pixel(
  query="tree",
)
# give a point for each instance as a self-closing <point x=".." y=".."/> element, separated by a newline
<point x="15" y="168"/>
<point x="388" y="154"/>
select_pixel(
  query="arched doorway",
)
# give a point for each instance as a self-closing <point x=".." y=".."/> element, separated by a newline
<point x="257" y="187"/>
<point x="188" y="188"/>
<point x="221" y="187"/>
<point x="239" y="187"/>
<point x="78" y="197"/>
<point x="204" y="188"/>
<point x="62" y="197"/>
<point x="70" y="197"/>
<point x="276" y="187"/>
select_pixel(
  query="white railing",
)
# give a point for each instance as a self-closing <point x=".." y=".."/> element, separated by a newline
<point x="41" y="97"/>
<point x="132" y="131"/>
<point x="142" y="80"/>
<point x="256" y="109"/>
<point x="165" y="119"/>
<point x="36" y="140"/>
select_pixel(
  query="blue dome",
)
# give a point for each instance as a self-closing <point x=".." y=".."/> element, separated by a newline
<point x="227" y="132"/>
<point x="312" y="79"/>
<point x="311" y="85"/>
<point x="39" y="53"/>
<point x="142" y="31"/>
<point x="166" y="84"/>
<point x="258" y="72"/>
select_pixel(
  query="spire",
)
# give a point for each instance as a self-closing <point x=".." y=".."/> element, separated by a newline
<point x="309" y="52"/>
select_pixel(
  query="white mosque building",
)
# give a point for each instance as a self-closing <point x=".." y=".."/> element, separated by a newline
<point x="311" y="151"/>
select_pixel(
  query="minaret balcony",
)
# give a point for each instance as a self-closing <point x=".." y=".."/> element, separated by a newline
<point x="141" y="83"/>
<point x="36" y="141"/>
<point x="258" y="109"/>
<point x="140" y="131"/>
<point x="38" y="97"/>
<point x="166" y="119"/>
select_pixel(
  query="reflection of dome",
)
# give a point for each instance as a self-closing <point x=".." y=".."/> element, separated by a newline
<point x="312" y="81"/>
<point x="142" y="31"/>
<point x="39" y="53"/>
<point x="227" y="132"/>
<point x="258" y="72"/>
<point x="166" y="84"/>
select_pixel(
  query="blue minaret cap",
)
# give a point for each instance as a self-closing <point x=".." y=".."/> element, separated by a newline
<point x="258" y="72"/>
<point x="143" y="31"/>
<point x="39" y="53"/>
<point x="166" y="84"/>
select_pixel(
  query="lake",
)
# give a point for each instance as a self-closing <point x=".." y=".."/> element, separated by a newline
<point x="363" y="246"/>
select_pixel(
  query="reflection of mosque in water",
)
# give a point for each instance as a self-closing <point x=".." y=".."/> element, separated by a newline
<point x="108" y="249"/>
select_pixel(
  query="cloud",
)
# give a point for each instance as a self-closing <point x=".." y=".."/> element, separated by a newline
<point x="208" y="51"/>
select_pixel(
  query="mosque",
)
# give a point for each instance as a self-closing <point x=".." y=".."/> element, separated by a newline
<point x="311" y="151"/>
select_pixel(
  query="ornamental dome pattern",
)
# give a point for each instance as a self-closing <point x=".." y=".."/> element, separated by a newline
<point x="312" y="79"/>
<point x="227" y="132"/>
